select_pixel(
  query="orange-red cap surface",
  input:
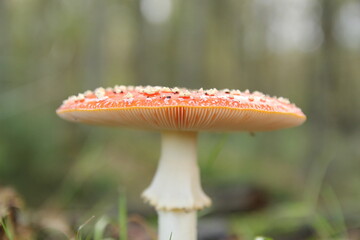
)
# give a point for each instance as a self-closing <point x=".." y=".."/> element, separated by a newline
<point x="181" y="109"/>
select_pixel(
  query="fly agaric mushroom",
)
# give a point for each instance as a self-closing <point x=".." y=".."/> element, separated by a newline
<point x="180" y="113"/>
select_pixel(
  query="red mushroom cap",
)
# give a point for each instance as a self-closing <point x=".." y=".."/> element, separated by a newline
<point x="181" y="109"/>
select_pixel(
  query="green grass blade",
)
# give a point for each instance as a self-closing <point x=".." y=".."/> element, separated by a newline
<point x="100" y="227"/>
<point x="8" y="229"/>
<point x="78" y="233"/>
<point x="123" y="221"/>
<point x="88" y="237"/>
<point x="315" y="182"/>
<point x="334" y="204"/>
<point x="323" y="227"/>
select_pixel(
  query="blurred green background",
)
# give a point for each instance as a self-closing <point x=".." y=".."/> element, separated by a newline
<point x="306" y="50"/>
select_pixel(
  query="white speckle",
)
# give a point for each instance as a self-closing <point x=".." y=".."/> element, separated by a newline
<point x="129" y="100"/>
<point x="150" y="90"/>
<point x="235" y="92"/>
<point x="100" y="92"/>
<point x="139" y="88"/>
<point x="284" y="100"/>
<point x="119" y="88"/>
<point x="72" y="98"/>
<point x="247" y="91"/>
<point x="226" y="90"/>
<point x="203" y="97"/>
<point x="80" y="96"/>
<point x="257" y="93"/>
<point x="109" y="89"/>
<point x="129" y="95"/>
<point x="211" y="92"/>
<point x="185" y="93"/>
<point x="88" y="92"/>
<point x="175" y="90"/>
<point x="166" y="89"/>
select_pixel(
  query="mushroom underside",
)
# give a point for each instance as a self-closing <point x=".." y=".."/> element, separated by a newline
<point x="187" y="118"/>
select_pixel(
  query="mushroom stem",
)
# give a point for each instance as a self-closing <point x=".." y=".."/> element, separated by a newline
<point x="176" y="191"/>
<point x="178" y="225"/>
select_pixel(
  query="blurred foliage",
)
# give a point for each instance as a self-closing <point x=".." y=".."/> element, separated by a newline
<point x="50" y="49"/>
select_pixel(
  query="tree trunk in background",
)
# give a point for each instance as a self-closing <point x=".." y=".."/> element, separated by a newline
<point x="94" y="59"/>
<point x="3" y="45"/>
<point x="189" y="44"/>
<point x="321" y="89"/>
